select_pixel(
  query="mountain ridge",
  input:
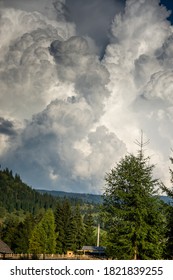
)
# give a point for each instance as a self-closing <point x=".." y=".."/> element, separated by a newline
<point x="90" y="198"/>
<point x="85" y="197"/>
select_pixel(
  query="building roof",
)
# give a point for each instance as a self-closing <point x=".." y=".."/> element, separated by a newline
<point x="93" y="248"/>
<point x="4" y="249"/>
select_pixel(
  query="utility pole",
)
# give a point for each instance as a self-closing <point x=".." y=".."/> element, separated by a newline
<point x="98" y="235"/>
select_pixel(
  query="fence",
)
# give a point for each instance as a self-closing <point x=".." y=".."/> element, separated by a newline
<point x="48" y="257"/>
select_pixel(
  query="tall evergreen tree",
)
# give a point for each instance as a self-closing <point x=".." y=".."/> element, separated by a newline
<point x="69" y="227"/>
<point x="169" y="192"/>
<point x="80" y="230"/>
<point x="43" y="238"/>
<point x="59" y="228"/>
<point x="48" y="224"/>
<point x="63" y="214"/>
<point x="71" y="237"/>
<point x="134" y="217"/>
<point x="37" y="242"/>
<point x="23" y="235"/>
<point x="89" y="229"/>
<point x="75" y="231"/>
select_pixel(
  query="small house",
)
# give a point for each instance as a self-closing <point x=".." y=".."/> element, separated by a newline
<point x="4" y="249"/>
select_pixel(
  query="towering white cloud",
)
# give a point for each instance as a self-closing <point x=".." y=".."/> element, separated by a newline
<point x="139" y="63"/>
<point x="58" y="88"/>
<point x="66" y="117"/>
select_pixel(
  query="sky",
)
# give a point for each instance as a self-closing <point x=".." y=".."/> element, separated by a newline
<point x="79" y="81"/>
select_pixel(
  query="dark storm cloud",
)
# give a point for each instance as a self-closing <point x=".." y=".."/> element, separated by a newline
<point x="7" y="127"/>
<point x="94" y="17"/>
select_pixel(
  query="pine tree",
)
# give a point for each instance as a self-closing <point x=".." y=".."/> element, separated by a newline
<point x="71" y="237"/>
<point x="43" y="237"/>
<point x="69" y="227"/>
<point x="134" y="213"/>
<point x="80" y="230"/>
<point x="169" y="192"/>
<point x="62" y="221"/>
<point x="23" y="235"/>
<point x="75" y="231"/>
<point x="48" y="225"/>
<point x="89" y="228"/>
<point x="37" y="242"/>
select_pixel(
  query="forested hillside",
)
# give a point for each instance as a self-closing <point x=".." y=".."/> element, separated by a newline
<point x="16" y="195"/>
<point x="80" y="197"/>
<point x="34" y="222"/>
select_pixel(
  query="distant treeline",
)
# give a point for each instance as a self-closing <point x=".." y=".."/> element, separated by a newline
<point x="80" y="197"/>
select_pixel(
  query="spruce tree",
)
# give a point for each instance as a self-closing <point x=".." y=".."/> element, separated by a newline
<point x="63" y="214"/>
<point x="24" y="233"/>
<point x="43" y="237"/>
<point x="37" y="242"/>
<point x="48" y="225"/>
<point x="89" y="229"/>
<point x="80" y="230"/>
<point x="71" y="234"/>
<point x="169" y="235"/>
<point x="134" y="213"/>
<point x="75" y="231"/>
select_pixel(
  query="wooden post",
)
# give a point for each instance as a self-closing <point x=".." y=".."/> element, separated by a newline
<point x="98" y="235"/>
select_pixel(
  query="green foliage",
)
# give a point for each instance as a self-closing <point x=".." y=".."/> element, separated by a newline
<point x="15" y="195"/>
<point x="62" y="221"/>
<point x="89" y="229"/>
<point x="169" y="235"/>
<point x="80" y="230"/>
<point x="9" y="230"/>
<point x="43" y="237"/>
<point x="69" y="227"/>
<point x="134" y="216"/>
<point x="37" y="242"/>
<point x="3" y="212"/>
<point x="76" y="198"/>
<point x="24" y="230"/>
<point x="71" y="234"/>
<point x="75" y="231"/>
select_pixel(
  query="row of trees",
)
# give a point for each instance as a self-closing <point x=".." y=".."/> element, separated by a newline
<point x="50" y="231"/>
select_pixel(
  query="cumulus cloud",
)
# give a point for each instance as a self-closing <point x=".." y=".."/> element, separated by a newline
<point x="28" y="80"/>
<point x="76" y="64"/>
<point x="139" y="63"/>
<point x="67" y="116"/>
<point x="59" y="146"/>
<point x="57" y="88"/>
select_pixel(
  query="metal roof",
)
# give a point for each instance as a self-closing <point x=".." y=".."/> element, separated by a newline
<point x="93" y="248"/>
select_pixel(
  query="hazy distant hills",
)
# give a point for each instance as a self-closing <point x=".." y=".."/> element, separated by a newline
<point x="84" y="197"/>
<point x="16" y="195"/>
<point x="166" y="199"/>
<point x="89" y="198"/>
